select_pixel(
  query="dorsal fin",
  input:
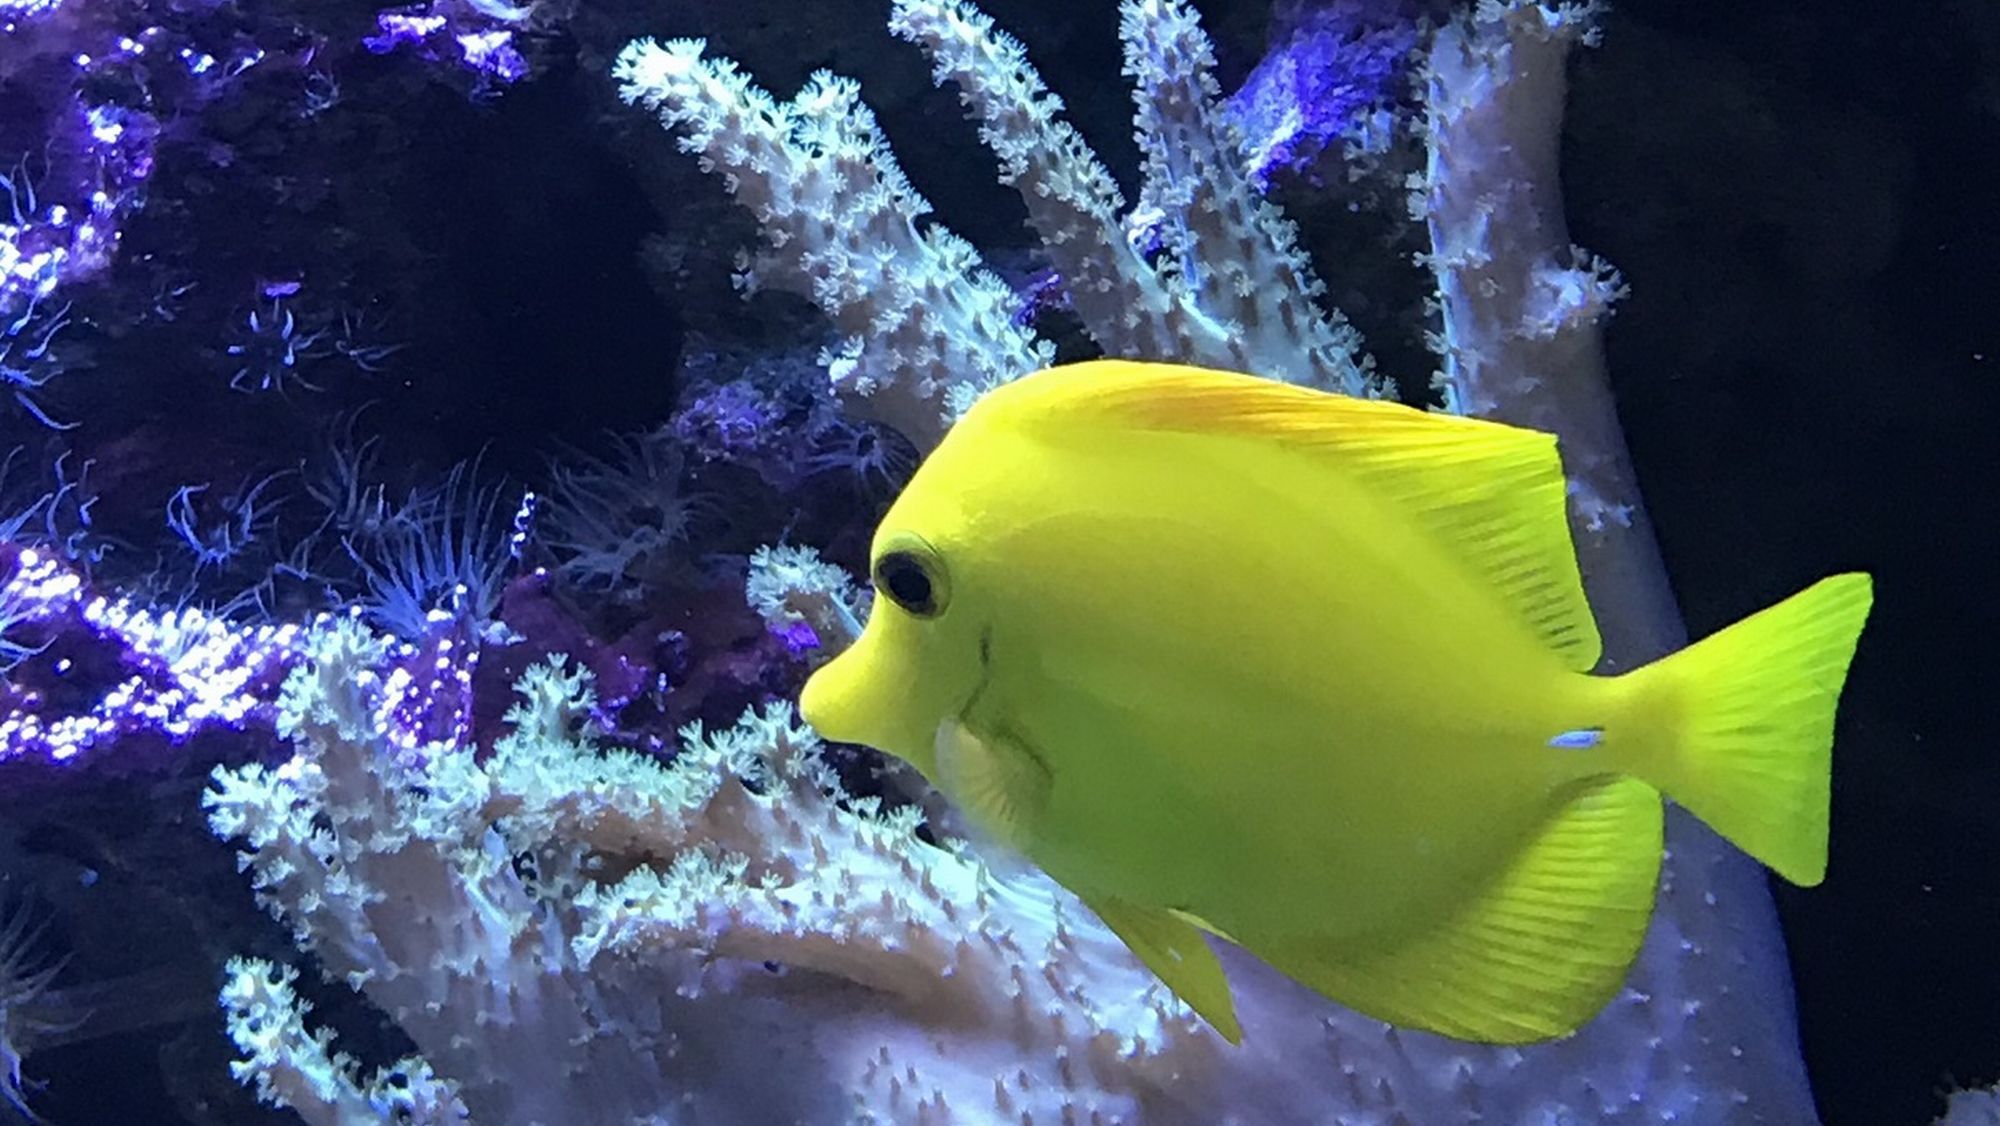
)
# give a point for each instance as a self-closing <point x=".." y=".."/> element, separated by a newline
<point x="1492" y="495"/>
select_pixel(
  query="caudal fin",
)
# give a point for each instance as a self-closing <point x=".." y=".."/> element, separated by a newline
<point x="1755" y="704"/>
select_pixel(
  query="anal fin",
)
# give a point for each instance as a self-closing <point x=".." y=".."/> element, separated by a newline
<point x="1535" y="955"/>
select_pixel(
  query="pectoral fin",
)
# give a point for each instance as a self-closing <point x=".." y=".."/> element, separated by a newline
<point x="1175" y="951"/>
<point x="1000" y="784"/>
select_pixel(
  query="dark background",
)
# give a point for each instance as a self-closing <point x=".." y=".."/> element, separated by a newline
<point x="1802" y="196"/>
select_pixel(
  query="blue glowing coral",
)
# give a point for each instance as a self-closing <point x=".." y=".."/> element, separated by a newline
<point x="1337" y="78"/>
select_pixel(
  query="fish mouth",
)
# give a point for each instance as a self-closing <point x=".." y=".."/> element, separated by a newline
<point x="872" y="694"/>
<point x="828" y="702"/>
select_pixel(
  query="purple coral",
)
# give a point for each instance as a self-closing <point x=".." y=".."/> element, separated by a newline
<point x="89" y="670"/>
<point x="100" y="127"/>
<point x="84" y="671"/>
<point x="1339" y="69"/>
<point x="484" y="38"/>
<point x="735" y="421"/>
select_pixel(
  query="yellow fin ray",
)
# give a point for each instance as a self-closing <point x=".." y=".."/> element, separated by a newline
<point x="1000" y="785"/>
<point x="1492" y="495"/>
<point x="1174" y="950"/>
<point x="1755" y="709"/>
<point x="1535" y="955"/>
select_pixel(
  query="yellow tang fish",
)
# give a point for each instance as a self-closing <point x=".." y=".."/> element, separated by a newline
<point x="1310" y="673"/>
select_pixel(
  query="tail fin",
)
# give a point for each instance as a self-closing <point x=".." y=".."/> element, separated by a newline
<point x="1753" y="753"/>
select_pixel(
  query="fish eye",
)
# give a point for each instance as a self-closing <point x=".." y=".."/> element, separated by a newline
<point x="902" y="577"/>
<point x="910" y="574"/>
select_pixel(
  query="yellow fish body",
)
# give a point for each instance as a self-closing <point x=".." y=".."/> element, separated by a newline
<point x="1311" y="673"/>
